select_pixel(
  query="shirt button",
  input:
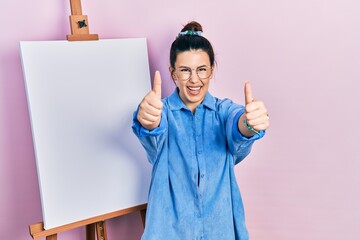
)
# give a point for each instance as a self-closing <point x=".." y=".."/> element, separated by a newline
<point x="199" y="152"/>
<point x="202" y="175"/>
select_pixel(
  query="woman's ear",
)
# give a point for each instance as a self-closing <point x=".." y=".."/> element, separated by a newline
<point x="212" y="71"/>
<point x="173" y="76"/>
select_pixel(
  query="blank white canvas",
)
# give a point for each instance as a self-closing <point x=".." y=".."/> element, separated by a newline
<point x="81" y="97"/>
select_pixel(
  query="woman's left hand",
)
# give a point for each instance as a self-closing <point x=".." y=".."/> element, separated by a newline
<point x="256" y="114"/>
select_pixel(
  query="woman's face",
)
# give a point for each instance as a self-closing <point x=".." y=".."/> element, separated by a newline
<point x="192" y="75"/>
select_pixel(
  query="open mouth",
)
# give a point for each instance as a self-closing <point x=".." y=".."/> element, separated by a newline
<point x="194" y="90"/>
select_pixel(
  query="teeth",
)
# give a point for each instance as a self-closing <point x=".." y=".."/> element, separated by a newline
<point x="194" y="88"/>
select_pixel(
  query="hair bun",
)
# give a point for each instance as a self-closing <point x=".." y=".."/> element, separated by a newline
<point x="192" y="26"/>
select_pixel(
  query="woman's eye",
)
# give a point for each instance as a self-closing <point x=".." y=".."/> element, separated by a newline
<point x="185" y="70"/>
<point x="202" y="69"/>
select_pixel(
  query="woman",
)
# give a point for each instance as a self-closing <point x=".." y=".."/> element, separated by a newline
<point x="193" y="140"/>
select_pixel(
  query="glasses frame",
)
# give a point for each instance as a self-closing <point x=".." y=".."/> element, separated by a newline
<point x="191" y="72"/>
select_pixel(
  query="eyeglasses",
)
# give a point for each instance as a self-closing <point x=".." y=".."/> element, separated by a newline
<point x="185" y="73"/>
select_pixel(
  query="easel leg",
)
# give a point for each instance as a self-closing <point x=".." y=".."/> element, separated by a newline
<point x="143" y="216"/>
<point x="52" y="237"/>
<point x="90" y="232"/>
<point x="101" y="231"/>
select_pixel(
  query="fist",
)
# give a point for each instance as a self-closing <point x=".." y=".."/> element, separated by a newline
<point x="150" y="109"/>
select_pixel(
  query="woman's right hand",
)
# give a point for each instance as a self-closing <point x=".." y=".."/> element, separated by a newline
<point x="149" y="114"/>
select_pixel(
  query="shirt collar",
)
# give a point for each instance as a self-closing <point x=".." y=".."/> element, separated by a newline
<point x="175" y="102"/>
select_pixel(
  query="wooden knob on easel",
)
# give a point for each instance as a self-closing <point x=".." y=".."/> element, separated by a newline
<point x="79" y="24"/>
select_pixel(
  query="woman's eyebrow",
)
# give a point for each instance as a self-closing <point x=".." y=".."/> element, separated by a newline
<point x="204" y="65"/>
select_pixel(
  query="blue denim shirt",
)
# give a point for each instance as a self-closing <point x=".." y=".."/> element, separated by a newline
<point x="193" y="193"/>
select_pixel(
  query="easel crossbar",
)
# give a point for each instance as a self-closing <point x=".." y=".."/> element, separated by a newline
<point x="37" y="229"/>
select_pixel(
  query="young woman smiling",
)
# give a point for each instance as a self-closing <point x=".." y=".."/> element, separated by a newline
<point x="194" y="140"/>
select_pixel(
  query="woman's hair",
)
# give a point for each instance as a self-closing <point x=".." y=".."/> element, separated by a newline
<point x="190" y="39"/>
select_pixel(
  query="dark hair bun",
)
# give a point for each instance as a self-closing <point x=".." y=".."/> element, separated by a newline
<point x="188" y="39"/>
<point x="192" y="26"/>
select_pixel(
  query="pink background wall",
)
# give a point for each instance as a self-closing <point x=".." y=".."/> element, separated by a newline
<point x="303" y="57"/>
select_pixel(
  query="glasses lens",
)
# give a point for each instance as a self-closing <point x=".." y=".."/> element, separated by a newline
<point x="203" y="72"/>
<point x="184" y="74"/>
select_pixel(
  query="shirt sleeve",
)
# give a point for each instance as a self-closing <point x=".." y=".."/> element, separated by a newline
<point x="239" y="145"/>
<point x="151" y="140"/>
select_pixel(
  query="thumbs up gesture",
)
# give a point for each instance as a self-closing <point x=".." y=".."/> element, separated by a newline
<point x="256" y="114"/>
<point x="149" y="114"/>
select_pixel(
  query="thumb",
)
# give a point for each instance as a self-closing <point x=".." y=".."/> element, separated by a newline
<point x="157" y="84"/>
<point x="248" y="93"/>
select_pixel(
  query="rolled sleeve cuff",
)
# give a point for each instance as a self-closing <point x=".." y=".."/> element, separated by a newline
<point x="236" y="132"/>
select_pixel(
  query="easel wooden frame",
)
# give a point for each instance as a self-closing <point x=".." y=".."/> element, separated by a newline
<point x="80" y="32"/>
<point x="92" y="224"/>
<point x="79" y="24"/>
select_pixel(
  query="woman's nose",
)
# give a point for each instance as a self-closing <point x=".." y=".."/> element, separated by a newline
<point x="194" y="77"/>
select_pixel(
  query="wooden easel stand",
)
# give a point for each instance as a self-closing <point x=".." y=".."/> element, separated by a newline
<point x="95" y="224"/>
<point x="79" y="24"/>
<point x="80" y="32"/>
